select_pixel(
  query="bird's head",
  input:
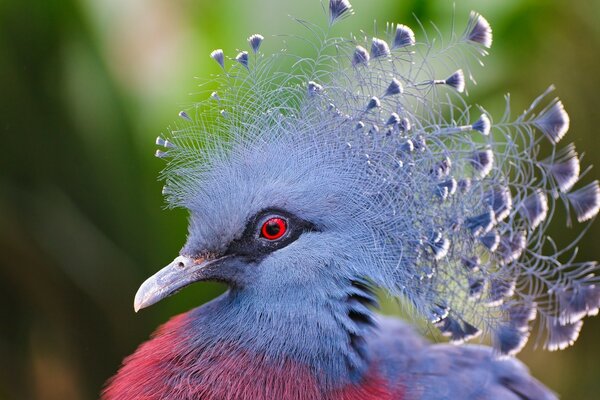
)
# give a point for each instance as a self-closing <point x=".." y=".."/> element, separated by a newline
<point x="275" y="214"/>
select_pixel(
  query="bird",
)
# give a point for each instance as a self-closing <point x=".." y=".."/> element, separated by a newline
<point x="316" y="185"/>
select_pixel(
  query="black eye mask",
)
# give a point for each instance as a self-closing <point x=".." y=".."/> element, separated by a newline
<point x="255" y="243"/>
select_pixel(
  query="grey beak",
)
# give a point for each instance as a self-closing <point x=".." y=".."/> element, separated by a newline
<point x="182" y="272"/>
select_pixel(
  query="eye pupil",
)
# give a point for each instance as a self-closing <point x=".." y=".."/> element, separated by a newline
<point x="274" y="228"/>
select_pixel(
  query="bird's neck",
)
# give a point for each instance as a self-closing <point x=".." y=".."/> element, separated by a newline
<point x="323" y="336"/>
<point x="241" y="346"/>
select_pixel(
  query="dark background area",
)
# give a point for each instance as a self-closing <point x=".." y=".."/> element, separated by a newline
<point x="86" y="86"/>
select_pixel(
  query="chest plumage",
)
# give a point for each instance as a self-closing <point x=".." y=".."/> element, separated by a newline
<point x="168" y="367"/>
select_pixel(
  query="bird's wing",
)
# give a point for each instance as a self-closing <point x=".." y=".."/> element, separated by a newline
<point x="445" y="371"/>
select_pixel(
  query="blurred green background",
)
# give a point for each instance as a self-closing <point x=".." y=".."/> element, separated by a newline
<point x="86" y="86"/>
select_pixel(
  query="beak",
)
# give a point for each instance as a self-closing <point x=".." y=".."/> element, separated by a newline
<point x="180" y="273"/>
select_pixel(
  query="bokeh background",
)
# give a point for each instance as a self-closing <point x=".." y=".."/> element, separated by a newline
<point x="86" y="86"/>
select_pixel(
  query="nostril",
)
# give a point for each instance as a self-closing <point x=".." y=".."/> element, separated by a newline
<point x="180" y="262"/>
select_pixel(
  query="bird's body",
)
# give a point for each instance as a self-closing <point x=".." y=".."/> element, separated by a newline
<point x="356" y="170"/>
<point x="214" y="369"/>
<point x="187" y="360"/>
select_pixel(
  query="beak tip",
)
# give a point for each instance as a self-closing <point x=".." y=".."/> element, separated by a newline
<point x="141" y="298"/>
<point x="140" y="301"/>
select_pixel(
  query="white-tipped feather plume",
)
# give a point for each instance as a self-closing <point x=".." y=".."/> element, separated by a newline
<point x="404" y="37"/>
<point x="255" y="41"/>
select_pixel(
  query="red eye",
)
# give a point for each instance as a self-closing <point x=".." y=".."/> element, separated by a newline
<point x="273" y="228"/>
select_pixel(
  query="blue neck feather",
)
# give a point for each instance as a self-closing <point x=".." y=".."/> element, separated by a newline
<point x="324" y="331"/>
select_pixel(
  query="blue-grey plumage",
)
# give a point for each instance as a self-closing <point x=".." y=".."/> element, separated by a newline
<point x="442" y="371"/>
<point x="386" y="177"/>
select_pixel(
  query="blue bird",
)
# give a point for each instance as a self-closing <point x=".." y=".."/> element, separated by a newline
<point x="313" y="182"/>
